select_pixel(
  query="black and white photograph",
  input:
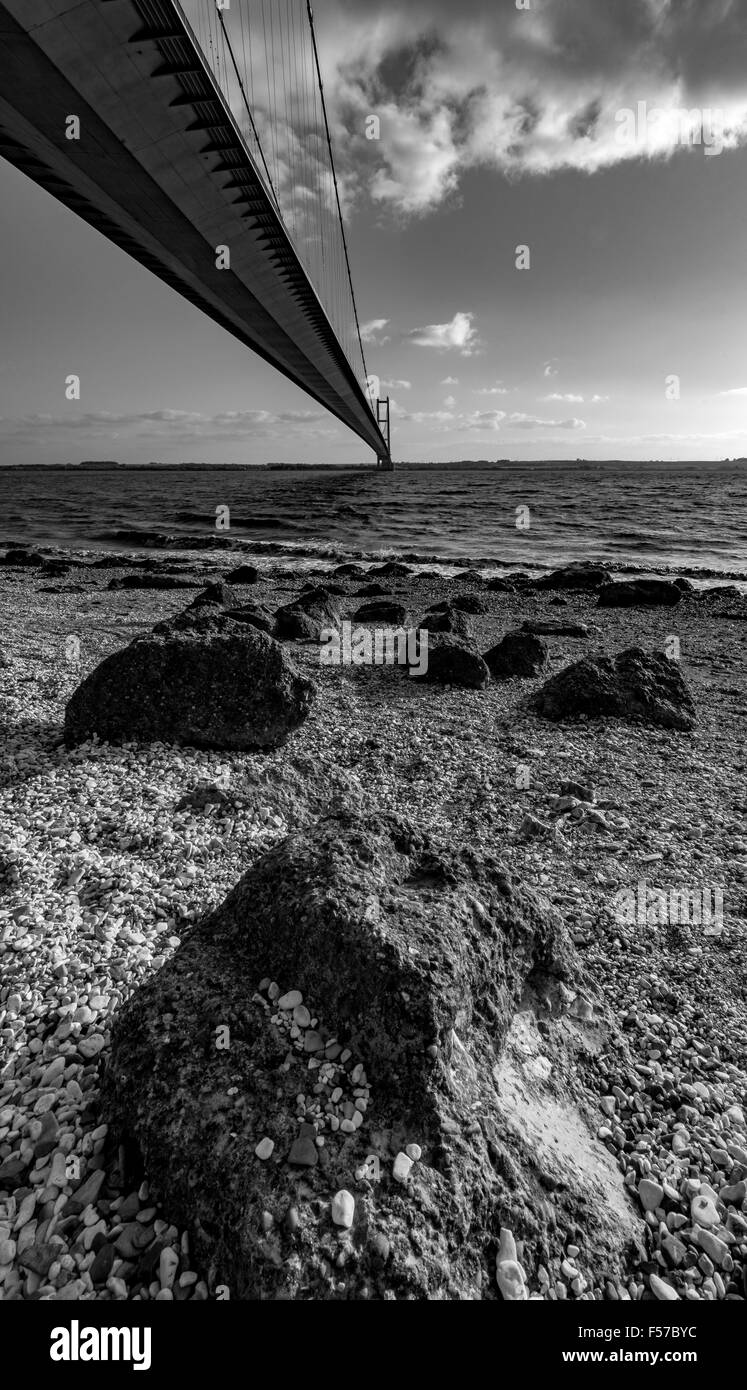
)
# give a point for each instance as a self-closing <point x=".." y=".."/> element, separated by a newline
<point x="373" y="678"/>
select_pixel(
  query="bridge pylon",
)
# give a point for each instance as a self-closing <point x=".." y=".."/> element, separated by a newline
<point x="384" y="421"/>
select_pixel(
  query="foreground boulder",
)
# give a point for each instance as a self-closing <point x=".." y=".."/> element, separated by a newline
<point x="517" y="654"/>
<point x="23" y="558"/>
<point x="307" y="616"/>
<point x="635" y="685"/>
<point x="397" y="963"/>
<point x="443" y="618"/>
<point x="452" y="661"/>
<point x="212" y="684"/>
<point x="640" y="593"/>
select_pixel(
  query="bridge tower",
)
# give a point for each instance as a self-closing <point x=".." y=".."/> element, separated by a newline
<point x="384" y="421"/>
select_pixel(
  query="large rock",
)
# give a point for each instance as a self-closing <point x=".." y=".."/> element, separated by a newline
<point x="152" y="581"/>
<point x="307" y="616"/>
<point x="386" y="611"/>
<point x="452" y="661"/>
<point x="22" y="558"/>
<point x="638" y="593"/>
<point x="443" y="618"/>
<point x="635" y="685"/>
<point x="582" y="575"/>
<point x="517" y="654"/>
<point x="412" y="956"/>
<point x="243" y="574"/>
<point x="216" y="685"/>
<point x="470" y="603"/>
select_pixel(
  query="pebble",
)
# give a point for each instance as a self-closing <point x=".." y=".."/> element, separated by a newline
<point x="660" y="1289"/>
<point x="414" y="1152"/>
<point x="651" y="1194"/>
<point x="291" y="1000"/>
<point x="264" y="1149"/>
<point x="343" y="1209"/>
<point x="402" y="1167"/>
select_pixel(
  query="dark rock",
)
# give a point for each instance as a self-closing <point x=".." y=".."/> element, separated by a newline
<point x="152" y="581"/>
<point x="38" y="1258"/>
<point x="469" y="577"/>
<point x="376" y="923"/>
<point x="349" y="571"/>
<point x="102" y="1264"/>
<point x="382" y="611"/>
<point x="443" y="618"/>
<point x="216" y="592"/>
<point x="721" y="591"/>
<point x="391" y="570"/>
<point x="203" y="795"/>
<point x="499" y="585"/>
<point x="685" y="585"/>
<point x="549" y="628"/>
<point x="470" y="603"/>
<point x="322" y="592"/>
<point x="231" y="688"/>
<point x="54" y="569"/>
<point x="373" y="591"/>
<point x="317" y="600"/>
<point x="559" y="602"/>
<point x="637" y="593"/>
<point x="22" y="558"/>
<point x="245" y="574"/>
<point x="454" y="662"/>
<point x="635" y="686"/>
<point x="293" y="625"/>
<point x="517" y="654"/>
<point x="255" y="614"/>
<point x="582" y="575"/>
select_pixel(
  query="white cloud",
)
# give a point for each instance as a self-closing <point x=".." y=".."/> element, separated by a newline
<point x="459" y="335"/>
<point x="533" y="422"/>
<point x="371" y="331"/>
<point x="497" y="390"/>
<point x="450" y="381"/>
<point x="397" y="385"/>
<point x="550" y="368"/>
<point x="564" y="396"/>
<point x="736" y="391"/>
<point x="529" y="92"/>
<point x="450" y="402"/>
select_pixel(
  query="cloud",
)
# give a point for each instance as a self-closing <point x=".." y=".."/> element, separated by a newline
<point x="371" y="331"/>
<point x="450" y="381"/>
<point x="533" y="422"/>
<point x="397" y="385"/>
<point x="459" y="335"/>
<point x="525" y="92"/>
<point x="168" y="425"/>
<point x="497" y="390"/>
<point x="450" y="402"/>
<point x="735" y="391"/>
<point x="564" y="396"/>
<point x="550" y="368"/>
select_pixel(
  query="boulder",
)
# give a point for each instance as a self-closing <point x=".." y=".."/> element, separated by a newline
<point x="453" y="662"/>
<point x="517" y="654"/>
<point x="499" y="585"/>
<point x="223" y="685"/>
<point x="216" y="592"/>
<point x="373" y="591"/>
<point x="255" y="614"/>
<point x="582" y="575"/>
<point x="470" y="603"/>
<point x="386" y="611"/>
<point x="639" y="593"/>
<point x="443" y="618"/>
<point x="349" y="571"/>
<point x="307" y="616"/>
<point x="22" y="558"/>
<point x="635" y="686"/>
<point x="472" y="577"/>
<point x="391" y="570"/>
<point x="244" y="574"/>
<point x="152" y="581"/>
<point x="412" y="955"/>
<point x="551" y="628"/>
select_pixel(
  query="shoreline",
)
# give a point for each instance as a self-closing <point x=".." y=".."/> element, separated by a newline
<point x="104" y="877"/>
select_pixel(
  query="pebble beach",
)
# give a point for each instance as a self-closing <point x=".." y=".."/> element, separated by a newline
<point x="110" y="853"/>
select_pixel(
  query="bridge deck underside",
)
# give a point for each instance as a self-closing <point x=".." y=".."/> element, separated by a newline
<point x="161" y="168"/>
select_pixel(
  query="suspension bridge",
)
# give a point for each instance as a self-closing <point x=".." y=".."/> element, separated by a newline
<point x="196" y="136"/>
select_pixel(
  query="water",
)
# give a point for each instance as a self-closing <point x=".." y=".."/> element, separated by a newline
<point x="687" y="517"/>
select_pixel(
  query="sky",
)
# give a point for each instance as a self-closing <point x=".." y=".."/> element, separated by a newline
<point x="548" y="240"/>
